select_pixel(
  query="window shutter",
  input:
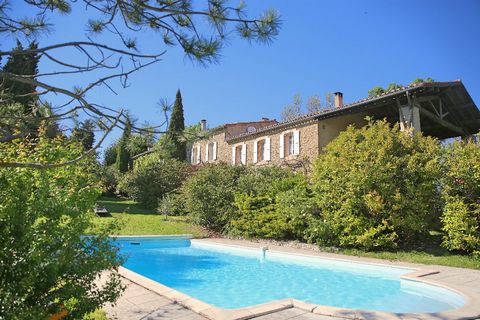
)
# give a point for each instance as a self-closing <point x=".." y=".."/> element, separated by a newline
<point x="296" y="142"/>
<point x="206" y="152"/>
<point x="244" y="153"/>
<point x="266" y="149"/>
<point x="214" y="150"/>
<point x="191" y="155"/>
<point x="233" y="154"/>
<point x="255" y="156"/>
<point x="199" y="155"/>
<point x="281" y="149"/>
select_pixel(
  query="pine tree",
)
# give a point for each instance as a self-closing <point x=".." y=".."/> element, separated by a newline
<point x="21" y="64"/>
<point x="124" y="159"/>
<point x="84" y="133"/>
<point x="176" y="128"/>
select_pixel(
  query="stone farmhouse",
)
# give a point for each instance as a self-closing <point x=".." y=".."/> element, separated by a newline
<point x="439" y="109"/>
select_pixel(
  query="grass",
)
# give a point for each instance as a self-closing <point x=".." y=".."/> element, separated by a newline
<point x="429" y="252"/>
<point x="135" y="220"/>
<point x="424" y="257"/>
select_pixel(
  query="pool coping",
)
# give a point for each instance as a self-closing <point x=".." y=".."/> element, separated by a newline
<point x="471" y="309"/>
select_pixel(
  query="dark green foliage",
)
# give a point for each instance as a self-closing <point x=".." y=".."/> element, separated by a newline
<point x="279" y="209"/>
<point x="21" y="64"/>
<point x="258" y="218"/>
<point x="242" y="201"/>
<point x="209" y="195"/>
<point x="263" y="180"/>
<point x="110" y="154"/>
<point x="153" y="178"/>
<point x="421" y="80"/>
<point x="461" y="194"/>
<point x="376" y="187"/>
<point x="140" y="142"/>
<point x="376" y="91"/>
<point x="393" y="86"/>
<point x="46" y="262"/>
<point x="84" y="133"/>
<point x="109" y="177"/>
<point x="172" y="204"/>
<point x="294" y="201"/>
<point x="124" y="159"/>
<point x="175" y="130"/>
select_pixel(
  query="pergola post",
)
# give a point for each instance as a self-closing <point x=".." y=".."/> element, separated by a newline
<point x="409" y="116"/>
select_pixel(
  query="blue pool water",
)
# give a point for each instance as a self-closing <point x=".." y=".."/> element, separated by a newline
<point x="230" y="277"/>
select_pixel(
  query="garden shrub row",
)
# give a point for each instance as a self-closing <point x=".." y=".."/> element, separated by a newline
<point x="372" y="188"/>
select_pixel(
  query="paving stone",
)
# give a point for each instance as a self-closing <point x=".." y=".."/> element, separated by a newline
<point x="282" y="315"/>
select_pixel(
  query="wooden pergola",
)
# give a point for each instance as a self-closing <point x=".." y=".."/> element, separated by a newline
<point x="439" y="109"/>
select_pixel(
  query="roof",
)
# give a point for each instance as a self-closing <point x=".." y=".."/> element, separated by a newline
<point x="226" y="125"/>
<point x="460" y="105"/>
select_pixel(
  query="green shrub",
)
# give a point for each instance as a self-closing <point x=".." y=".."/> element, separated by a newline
<point x="461" y="195"/>
<point x="258" y="218"/>
<point x="294" y="201"/>
<point x="46" y="262"/>
<point x="375" y="187"/>
<point x="209" y="194"/>
<point x="173" y="203"/>
<point x="259" y="180"/>
<point x="109" y="177"/>
<point x="152" y="178"/>
<point x="279" y="209"/>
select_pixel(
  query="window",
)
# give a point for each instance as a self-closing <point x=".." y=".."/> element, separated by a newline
<point x="261" y="150"/>
<point x="289" y="149"/>
<point x="238" y="154"/>
<point x="289" y="144"/>
<point x="211" y="152"/>
<point x="194" y="155"/>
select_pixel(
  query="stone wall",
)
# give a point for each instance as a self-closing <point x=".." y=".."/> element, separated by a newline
<point x="222" y="148"/>
<point x="313" y="137"/>
<point x="308" y="146"/>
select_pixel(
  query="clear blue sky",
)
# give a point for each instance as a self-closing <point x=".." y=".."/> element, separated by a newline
<point x="323" y="46"/>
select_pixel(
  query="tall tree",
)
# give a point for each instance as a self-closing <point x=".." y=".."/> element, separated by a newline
<point x="116" y="55"/>
<point x="292" y="110"/>
<point x="176" y="128"/>
<point x="314" y="104"/>
<point x="110" y="154"/>
<point x="25" y="65"/>
<point x="84" y="133"/>
<point x="124" y="159"/>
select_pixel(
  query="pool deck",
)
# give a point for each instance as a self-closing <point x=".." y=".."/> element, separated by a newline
<point x="147" y="299"/>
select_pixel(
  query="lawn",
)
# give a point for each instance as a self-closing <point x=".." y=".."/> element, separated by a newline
<point x="135" y="220"/>
<point x="440" y="257"/>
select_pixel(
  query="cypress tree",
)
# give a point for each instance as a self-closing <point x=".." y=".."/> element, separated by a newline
<point x="176" y="128"/>
<point x="124" y="160"/>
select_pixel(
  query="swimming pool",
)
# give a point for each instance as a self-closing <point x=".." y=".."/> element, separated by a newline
<point x="230" y="277"/>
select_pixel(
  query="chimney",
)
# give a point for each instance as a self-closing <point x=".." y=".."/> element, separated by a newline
<point x="203" y="125"/>
<point x="265" y="119"/>
<point x="338" y="100"/>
